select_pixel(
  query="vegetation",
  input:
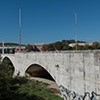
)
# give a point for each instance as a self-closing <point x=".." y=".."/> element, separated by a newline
<point x="30" y="48"/>
<point x="64" y="45"/>
<point x="6" y="69"/>
<point x="11" y="44"/>
<point x="20" y="88"/>
<point x="57" y="46"/>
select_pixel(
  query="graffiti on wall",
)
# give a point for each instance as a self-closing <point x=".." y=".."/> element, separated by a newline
<point x="70" y="95"/>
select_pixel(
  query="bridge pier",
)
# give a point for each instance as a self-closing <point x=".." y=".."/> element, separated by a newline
<point x="18" y="73"/>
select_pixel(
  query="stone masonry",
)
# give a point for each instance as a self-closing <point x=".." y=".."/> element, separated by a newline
<point x="76" y="71"/>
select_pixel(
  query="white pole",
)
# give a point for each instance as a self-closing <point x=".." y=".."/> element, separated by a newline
<point x="20" y="26"/>
<point x="2" y="47"/>
<point x="76" y="29"/>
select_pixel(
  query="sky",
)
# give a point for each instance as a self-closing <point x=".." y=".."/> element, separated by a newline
<point x="47" y="21"/>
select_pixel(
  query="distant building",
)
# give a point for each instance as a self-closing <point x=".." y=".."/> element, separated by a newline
<point x="10" y="48"/>
<point x="20" y="49"/>
<point x="80" y="44"/>
<point x="38" y="47"/>
<point x="7" y="49"/>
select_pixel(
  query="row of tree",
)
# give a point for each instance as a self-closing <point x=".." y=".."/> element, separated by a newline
<point x="64" y="45"/>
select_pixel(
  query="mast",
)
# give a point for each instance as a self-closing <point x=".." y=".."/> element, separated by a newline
<point x="76" y="31"/>
<point x="20" y="28"/>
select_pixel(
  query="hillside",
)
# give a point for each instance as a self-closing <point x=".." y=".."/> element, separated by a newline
<point x="11" y="44"/>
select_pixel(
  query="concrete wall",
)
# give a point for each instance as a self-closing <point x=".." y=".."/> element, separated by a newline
<point x="77" y="71"/>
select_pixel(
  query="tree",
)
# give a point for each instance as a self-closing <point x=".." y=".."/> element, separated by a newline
<point x="29" y="48"/>
<point x="87" y="47"/>
<point x="96" y="45"/>
<point x="45" y="47"/>
<point x="6" y="68"/>
<point x="51" y="47"/>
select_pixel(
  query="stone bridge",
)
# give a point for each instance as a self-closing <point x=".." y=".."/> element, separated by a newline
<point x="77" y="73"/>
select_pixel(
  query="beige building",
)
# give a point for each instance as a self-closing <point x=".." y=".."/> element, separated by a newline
<point x="80" y="44"/>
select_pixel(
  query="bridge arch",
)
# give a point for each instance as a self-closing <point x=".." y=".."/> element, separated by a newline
<point x="9" y="64"/>
<point x="40" y="73"/>
<point x="36" y="70"/>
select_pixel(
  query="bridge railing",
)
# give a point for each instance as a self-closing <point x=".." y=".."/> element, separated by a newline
<point x="68" y="51"/>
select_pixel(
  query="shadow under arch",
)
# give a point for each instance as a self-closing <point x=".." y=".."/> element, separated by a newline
<point x="7" y="66"/>
<point x="36" y="70"/>
<point x="41" y="74"/>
